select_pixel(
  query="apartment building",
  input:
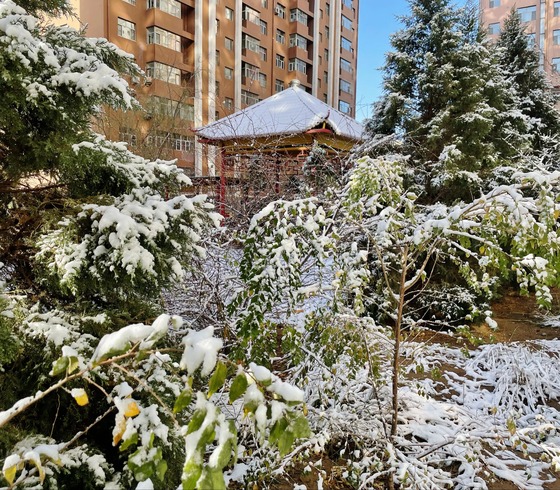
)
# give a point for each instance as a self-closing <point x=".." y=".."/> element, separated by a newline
<point x="542" y="20"/>
<point x="205" y="59"/>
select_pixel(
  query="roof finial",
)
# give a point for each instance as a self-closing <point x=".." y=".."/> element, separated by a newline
<point x="295" y="83"/>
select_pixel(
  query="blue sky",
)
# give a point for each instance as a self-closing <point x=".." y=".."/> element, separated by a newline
<point x="377" y="22"/>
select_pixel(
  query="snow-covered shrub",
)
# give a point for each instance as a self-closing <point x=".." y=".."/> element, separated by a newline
<point x="157" y="395"/>
<point x="522" y="377"/>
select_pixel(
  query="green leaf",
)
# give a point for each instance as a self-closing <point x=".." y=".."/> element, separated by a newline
<point x="238" y="387"/>
<point x="212" y="478"/>
<point x="131" y="441"/>
<point x="191" y="475"/>
<point x="196" y="420"/>
<point x="183" y="400"/>
<point x="73" y="364"/>
<point x="207" y="436"/>
<point x="142" y="472"/>
<point x="277" y="430"/>
<point x="285" y="442"/>
<point x="161" y="469"/>
<point x="224" y="456"/>
<point x="300" y="427"/>
<point x="59" y="366"/>
<point x="218" y="379"/>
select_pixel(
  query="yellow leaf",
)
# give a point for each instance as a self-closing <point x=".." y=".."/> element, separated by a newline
<point x="80" y="396"/>
<point x="131" y="409"/>
<point x="120" y="427"/>
<point x="10" y="474"/>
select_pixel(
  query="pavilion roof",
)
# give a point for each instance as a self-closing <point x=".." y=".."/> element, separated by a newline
<point x="292" y="111"/>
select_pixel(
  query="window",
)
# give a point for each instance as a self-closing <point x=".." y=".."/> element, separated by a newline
<point x="180" y="142"/>
<point x="278" y="86"/>
<point x="327" y="32"/>
<point x="132" y="2"/>
<point x="280" y="11"/>
<point x="328" y="8"/>
<point x="346" y="65"/>
<point x="555" y="65"/>
<point x="346" y="44"/>
<point x="347" y="3"/>
<point x="217" y="25"/>
<point x="344" y="107"/>
<point x="326" y="54"/>
<point x="345" y="86"/>
<point x="531" y="39"/>
<point x="128" y="135"/>
<point x="228" y="103"/>
<point x="346" y="23"/>
<point x="251" y="43"/>
<point x="494" y="3"/>
<point x="228" y="73"/>
<point x="326" y="77"/>
<point x="250" y="72"/>
<point x="556" y="37"/>
<point x="171" y="108"/>
<point x="217" y="88"/>
<point x="280" y="36"/>
<point x="262" y="80"/>
<point x="251" y="15"/>
<point x="527" y="14"/>
<point x="264" y="27"/>
<point x="297" y="65"/>
<point x="262" y="53"/>
<point x="156" y="35"/>
<point x="229" y="14"/>
<point x="228" y="43"/>
<point x="264" y="4"/>
<point x="172" y="7"/>
<point x="249" y="98"/>
<point x="299" y="41"/>
<point x="126" y="29"/>
<point x="217" y="57"/>
<point x="297" y="15"/>
<point x="163" y="72"/>
<point x="556" y="9"/>
<point x="280" y="61"/>
<point x="494" y="28"/>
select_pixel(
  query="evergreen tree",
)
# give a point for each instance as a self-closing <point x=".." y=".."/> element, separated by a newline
<point x="536" y="99"/>
<point x="447" y="99"/>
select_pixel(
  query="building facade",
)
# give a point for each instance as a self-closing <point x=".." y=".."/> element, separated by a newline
<point x="542" y="20"/>
<point x="205" y="59"/>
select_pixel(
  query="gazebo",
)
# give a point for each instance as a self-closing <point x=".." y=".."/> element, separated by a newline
<point x="273" y="138"/>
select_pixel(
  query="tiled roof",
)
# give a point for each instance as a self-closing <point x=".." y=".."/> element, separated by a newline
<point x="291" y="111"/>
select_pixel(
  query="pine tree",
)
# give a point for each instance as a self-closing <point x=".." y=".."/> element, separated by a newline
<point x="536" y="100"/>
<point x="447" y="100"/>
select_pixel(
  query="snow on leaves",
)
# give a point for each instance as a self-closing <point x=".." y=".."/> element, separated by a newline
<point x="132" y="243"/>
<point x="62" y="58"/>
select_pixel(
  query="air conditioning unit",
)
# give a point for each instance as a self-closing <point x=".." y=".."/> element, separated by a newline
<point x="277" y="10"/>
<point x="148" y="81"/>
